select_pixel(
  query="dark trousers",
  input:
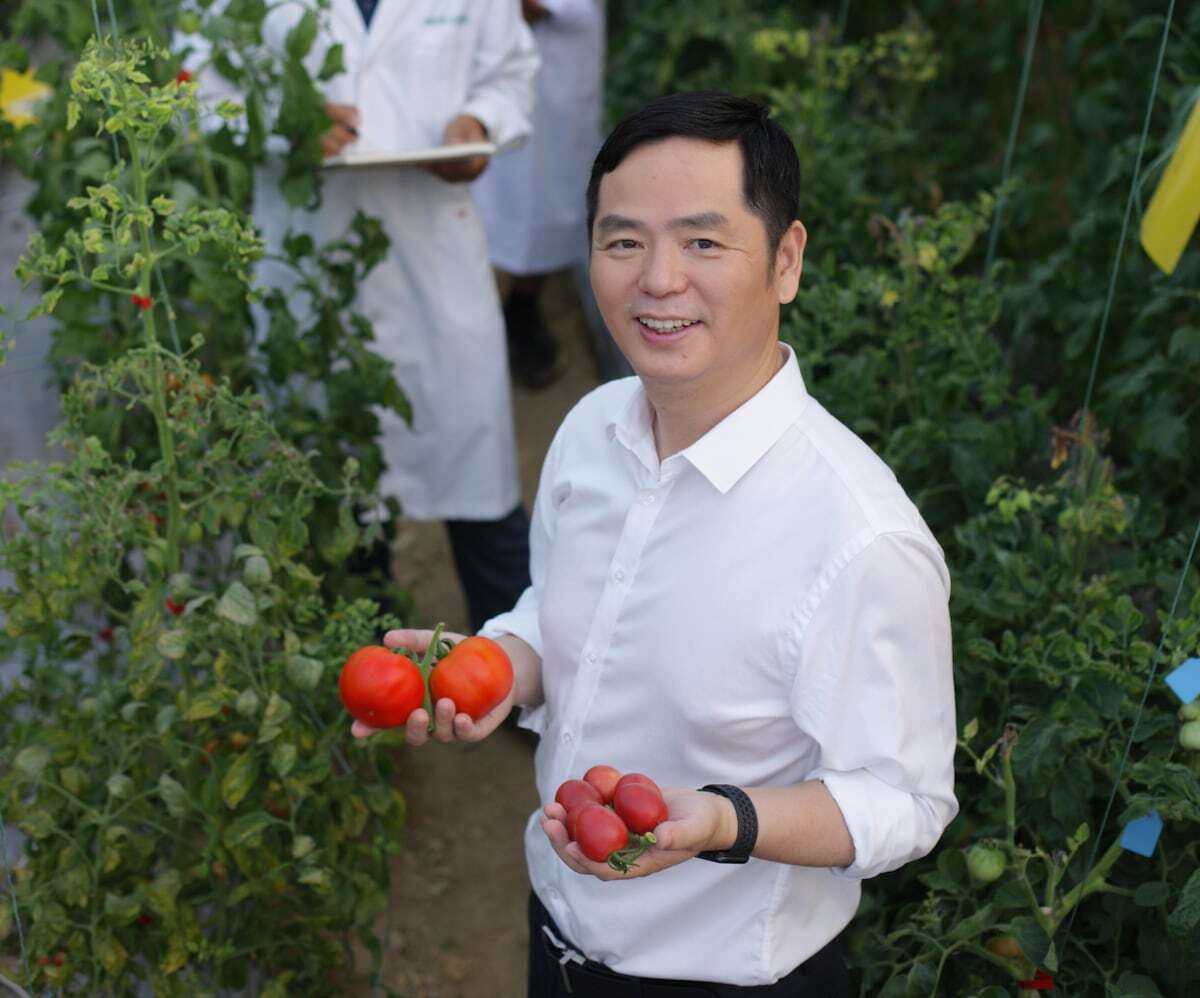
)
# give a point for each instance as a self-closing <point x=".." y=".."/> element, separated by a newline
<point x="823" y="975"/>
<point x="492" y="559"/>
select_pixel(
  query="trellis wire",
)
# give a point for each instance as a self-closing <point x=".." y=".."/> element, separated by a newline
<point x="1031" y="34"/>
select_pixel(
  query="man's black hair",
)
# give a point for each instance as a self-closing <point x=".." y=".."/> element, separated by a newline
<point x="770" y="167"/>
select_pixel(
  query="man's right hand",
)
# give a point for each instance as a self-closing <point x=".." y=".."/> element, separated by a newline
<point x="450" y="725"/>
<point x="344" y="120"/>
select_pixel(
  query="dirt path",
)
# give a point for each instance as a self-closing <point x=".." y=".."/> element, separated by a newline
<point x="460" y="886"/>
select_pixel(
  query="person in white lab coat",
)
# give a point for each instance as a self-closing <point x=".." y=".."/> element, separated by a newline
<point x="531" y="201"/>
<point x="423" y="73"/>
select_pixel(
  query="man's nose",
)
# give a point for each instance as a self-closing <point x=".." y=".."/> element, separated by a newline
<point x="662" y="273"/>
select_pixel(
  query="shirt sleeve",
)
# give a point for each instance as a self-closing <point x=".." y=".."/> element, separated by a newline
<point x="574" y="14"/>
<point x="500" y="93"/>
<point x="875" y="690"/>
<point x="523" y="620"/>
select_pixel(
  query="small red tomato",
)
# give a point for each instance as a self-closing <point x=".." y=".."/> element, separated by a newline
<point x="600" y="833"/>
<point x="575" y="792"/>
<point x="106" y="633"/>
<point x="380" y="687"/>
<point x="640" y="807"/>
<point x="604" y="779"/>
<point x="141" y="301"/>
<point x="176" y="608"/>
<point x="59" y="958"/>
<point x="183" y="76"/>
<point x="476" y="674"/>
<point x="637" y="778"/>
<point x="573" y="817"/>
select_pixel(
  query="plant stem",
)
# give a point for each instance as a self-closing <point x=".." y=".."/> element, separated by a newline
<point x="426" y="666"/>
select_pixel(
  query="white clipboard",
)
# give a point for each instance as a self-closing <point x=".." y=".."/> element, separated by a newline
<point x="411" y="157"/>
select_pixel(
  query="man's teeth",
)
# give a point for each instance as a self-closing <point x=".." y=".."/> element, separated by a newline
<point x="665" y="325"/>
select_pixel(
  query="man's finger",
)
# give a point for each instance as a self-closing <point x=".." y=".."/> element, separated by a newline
<point x="360" y="730"/>
<point x="416" y="729"/>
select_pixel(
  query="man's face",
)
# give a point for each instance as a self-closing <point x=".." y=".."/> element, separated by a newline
<point x="680" y="267"/>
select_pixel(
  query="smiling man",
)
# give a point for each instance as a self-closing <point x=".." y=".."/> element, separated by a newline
<point x="730" y="592"/>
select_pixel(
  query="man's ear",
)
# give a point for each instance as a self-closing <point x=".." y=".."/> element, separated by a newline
<point x="789" y="262"/>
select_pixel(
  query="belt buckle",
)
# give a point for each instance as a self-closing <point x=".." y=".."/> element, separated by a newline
<point x="566" y="955"/>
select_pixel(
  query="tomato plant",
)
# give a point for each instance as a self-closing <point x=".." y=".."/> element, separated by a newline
<point x="380" y="687"/>
<point x="476" y="674"/>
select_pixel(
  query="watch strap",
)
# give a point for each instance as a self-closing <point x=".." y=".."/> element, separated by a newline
<point x="747" y="825"/>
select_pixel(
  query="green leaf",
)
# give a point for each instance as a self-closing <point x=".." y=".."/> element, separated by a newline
<point x="277" y="714"/>
<point x="973" y="925"/>
<point x="119" y="785"/>
<point x="333" y="63"/>
<point x="1032" y="937"/>
<point x="1152" y="893"/>
<point x="1186" y="915"/>
<point x="247" y="703"/>
<point x="237" y="605"/>
<point x="124" y="908"/>
<point x="304" y="672"/>
<point x="162" y="891"/>
<point x="246" y="831"/>
<point x="239" y="779"/>
<point x="173" y="795"/>
<point x="31" y="761"/>
<point x="165" y="719"/>
<point x="173" y="643"/>
<point x="283" y="758"/>
<point x="300" y="39"/>
<point x="111" y="953"/>
<point x="203" y="706"/>
<point x="1137" y="986"/>
<point x="302" y="845"/>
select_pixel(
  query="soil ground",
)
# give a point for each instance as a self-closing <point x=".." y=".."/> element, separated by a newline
<point x="460" y="886"/>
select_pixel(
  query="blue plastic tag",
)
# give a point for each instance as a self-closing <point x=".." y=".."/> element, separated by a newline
<point x="1185" y="680"/>
<point x="1141" y="835"/>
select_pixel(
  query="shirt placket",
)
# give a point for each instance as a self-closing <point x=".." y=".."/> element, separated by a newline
<point x="622" y="572"/>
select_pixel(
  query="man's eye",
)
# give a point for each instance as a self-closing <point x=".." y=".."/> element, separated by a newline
<point x="704" y="244"/>
<point x="625" y="244"/>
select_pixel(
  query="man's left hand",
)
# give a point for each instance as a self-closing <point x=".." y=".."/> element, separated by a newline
<point x="694" y="823"/>
<point x="464" y="128"/>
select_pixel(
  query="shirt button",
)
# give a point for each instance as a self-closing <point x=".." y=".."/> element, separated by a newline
<point x="567" y="738"/>
<point x="591" y="657"/>
<point x="648" y="497"/>
<point x="619" y="575"/>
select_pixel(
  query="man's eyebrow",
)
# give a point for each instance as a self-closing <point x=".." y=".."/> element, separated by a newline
<point x="610" y="222"/>
<point x="705" y="220"/>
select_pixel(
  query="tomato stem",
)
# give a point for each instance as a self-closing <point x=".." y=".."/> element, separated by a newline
<point x="625" y="858"/>
<point x="426" y="666"/>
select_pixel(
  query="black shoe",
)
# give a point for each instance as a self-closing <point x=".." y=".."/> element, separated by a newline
<point x="535" y="356"/>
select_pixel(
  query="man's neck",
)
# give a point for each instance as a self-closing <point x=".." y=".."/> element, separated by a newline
<point x="683" y="414"/>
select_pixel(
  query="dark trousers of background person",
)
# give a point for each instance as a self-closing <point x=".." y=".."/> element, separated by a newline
<point x="492" y="559"/>
<point x="823" y="975"/>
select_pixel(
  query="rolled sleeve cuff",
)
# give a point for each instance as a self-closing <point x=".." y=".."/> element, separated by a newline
<point x="504" y="127"/>
<point x="888" y="826"/>
<point x="522" y="622"/>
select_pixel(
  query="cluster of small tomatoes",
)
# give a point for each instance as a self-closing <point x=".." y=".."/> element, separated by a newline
<point x="381" y="687"/>
<point x="612" y="816"/>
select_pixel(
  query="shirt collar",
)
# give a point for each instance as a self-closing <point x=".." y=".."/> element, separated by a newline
<point x="731" y="448"/>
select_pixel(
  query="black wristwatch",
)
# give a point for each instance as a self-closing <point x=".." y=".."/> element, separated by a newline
<point x="747" y="826"/>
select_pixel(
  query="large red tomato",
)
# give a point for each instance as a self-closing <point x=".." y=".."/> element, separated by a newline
<point x="604" y="779"/>
<point x="600" y="833"/>
<point x="572" y="793"/>
<point x="476" y="674"/>
<point x="380" y="687"/>
<point x="640" y="807"/>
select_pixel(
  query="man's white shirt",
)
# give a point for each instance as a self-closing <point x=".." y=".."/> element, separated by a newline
<point x="762" y="608"/>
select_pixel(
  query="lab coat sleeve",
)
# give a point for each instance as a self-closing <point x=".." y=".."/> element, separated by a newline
<point x="574" y="15"/>
<point x="502" y="70"/>
<point x="523" y="620"/>
<point x="875" y="690"/>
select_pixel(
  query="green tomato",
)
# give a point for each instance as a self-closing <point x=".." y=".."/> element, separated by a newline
<point x="986" y="864"/>
<point x="1189" y="736"/>
<point x="1190" y="711"/>
<point x="195" y="533"/>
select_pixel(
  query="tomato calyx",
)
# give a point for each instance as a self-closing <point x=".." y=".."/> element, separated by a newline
<point x="624" y="859"/>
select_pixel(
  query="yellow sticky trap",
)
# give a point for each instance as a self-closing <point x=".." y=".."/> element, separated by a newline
<point x="1175" y="208"/>
<point x="20" y="95"/>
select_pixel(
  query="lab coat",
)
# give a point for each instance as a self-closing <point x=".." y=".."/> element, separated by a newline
<point x="433" y="300"/>
<point x="532" y="201"/>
